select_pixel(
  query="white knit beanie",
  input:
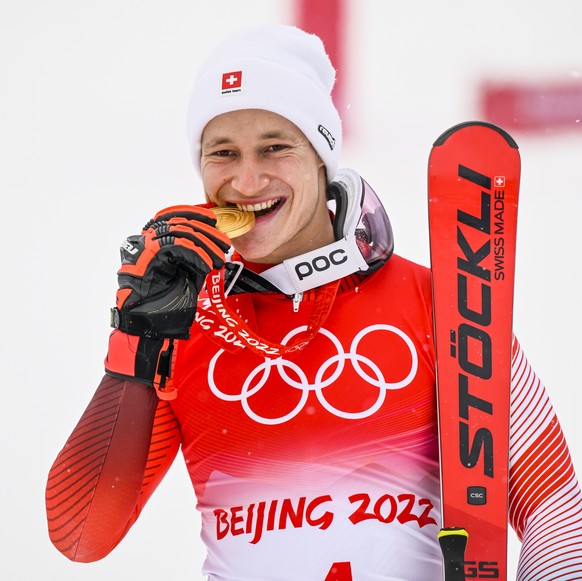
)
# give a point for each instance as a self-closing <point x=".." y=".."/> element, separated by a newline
<point x="279" y="68"/>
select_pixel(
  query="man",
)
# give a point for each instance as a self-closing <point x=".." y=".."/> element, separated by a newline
<point x="297" y="374"/>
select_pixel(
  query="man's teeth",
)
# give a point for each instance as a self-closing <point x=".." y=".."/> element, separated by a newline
<point x="257" y="207"/>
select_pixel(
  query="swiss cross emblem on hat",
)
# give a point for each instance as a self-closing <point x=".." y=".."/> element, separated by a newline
<point x="231" y="82"/>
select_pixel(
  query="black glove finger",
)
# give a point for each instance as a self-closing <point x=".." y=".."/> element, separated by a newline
<point x="178" y="227"/>
<point x="193" y="258"/>
<point x="196" y="213"/>
<point x="188" y="261"/>
<point x="211" y="250"/>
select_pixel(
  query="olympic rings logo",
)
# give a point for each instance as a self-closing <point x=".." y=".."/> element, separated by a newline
<point x="262" y="372"/>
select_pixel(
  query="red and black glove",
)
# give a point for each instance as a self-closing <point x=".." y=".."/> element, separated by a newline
<point x="162" y="272"/>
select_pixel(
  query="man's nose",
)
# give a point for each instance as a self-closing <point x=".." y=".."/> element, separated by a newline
<point x="249" y="177"/>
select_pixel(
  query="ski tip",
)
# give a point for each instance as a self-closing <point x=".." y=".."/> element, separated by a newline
<point x="444" y="136"/>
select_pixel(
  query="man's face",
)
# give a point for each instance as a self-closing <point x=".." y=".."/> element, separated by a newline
<point x="261" y="162"/>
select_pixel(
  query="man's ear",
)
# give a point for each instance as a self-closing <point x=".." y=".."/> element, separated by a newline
<point x="322" y="171"/>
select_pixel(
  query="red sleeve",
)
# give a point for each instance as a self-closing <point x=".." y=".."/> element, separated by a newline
<point x="115" y="457"/>
<point x="545" y="498"/>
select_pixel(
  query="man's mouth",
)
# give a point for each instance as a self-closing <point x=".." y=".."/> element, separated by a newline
<point x="261" y="209"/>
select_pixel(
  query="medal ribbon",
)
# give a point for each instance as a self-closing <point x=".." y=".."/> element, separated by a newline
<point x="220" y="323"/>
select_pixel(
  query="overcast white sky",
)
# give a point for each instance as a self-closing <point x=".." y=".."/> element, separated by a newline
<point x="92" y="141"/>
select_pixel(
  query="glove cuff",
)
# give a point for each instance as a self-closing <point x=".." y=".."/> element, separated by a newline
<point x="144" y="359"/>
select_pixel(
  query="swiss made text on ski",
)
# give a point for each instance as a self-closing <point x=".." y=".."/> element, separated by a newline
<point x="473" y="186"/>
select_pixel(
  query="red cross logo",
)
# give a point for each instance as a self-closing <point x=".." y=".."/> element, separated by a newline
<point x="232" y="80"/>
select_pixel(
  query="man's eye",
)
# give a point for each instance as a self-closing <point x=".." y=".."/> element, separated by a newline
<point x="222" y="153"/>
<point x="277" y="147"/>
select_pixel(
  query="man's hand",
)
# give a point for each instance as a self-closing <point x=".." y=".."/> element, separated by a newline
<point x="163" y="270"/>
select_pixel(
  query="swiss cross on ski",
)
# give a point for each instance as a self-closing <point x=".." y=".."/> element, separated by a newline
<point x="473" y="185"/>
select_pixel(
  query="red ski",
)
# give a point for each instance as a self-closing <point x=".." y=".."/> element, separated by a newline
<point x="473" y="186"/>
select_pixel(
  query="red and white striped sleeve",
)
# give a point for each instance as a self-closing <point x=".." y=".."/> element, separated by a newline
<point x="545" y="500"/>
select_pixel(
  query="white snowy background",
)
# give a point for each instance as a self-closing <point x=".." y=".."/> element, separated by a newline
<point x="92" y="142"/>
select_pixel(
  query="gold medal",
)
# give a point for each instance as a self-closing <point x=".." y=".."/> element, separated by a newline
<point x="232" y="221"/>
